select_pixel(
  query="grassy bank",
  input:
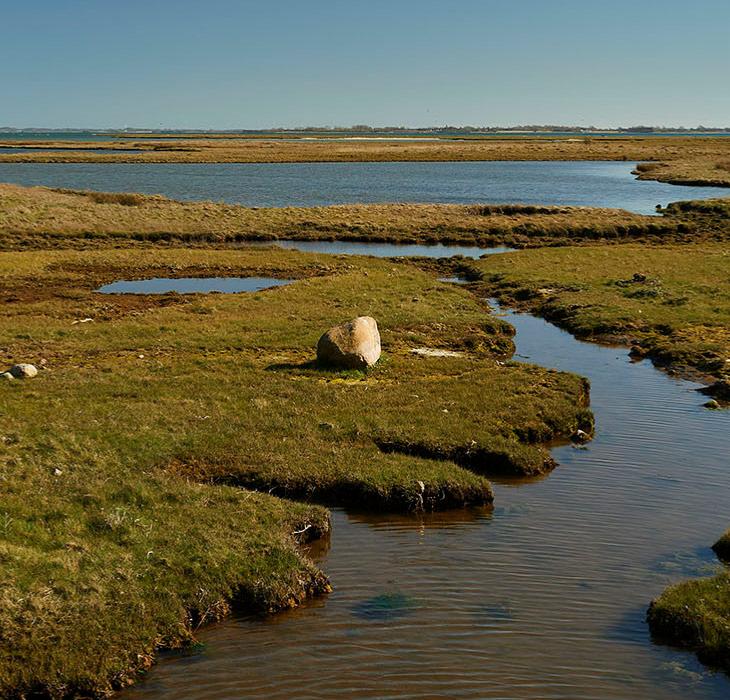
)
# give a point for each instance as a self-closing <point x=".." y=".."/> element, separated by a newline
<point x="124" y="525"/>
<point x="41" y="218"/>
<point x="676" y="159"/>
<point x="670" y="303"/>
<point x="696" y="614"/>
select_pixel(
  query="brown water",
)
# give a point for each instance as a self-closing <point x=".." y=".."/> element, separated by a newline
<point x="542" y="597"/>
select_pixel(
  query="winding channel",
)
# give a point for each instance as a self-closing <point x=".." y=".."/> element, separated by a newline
<point x="543" y="596"/>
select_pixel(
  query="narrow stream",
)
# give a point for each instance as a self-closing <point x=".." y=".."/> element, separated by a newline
<point x="542" y="597"/>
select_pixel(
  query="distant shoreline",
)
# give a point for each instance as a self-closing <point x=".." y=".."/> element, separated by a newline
<point x="690" y="159"/>
<point x="364" y="131"/>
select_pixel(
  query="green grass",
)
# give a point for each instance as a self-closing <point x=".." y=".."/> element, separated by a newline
<point x="671" y="303"/>
<point x="123" y="523"/>
<point x="696" y="614"/>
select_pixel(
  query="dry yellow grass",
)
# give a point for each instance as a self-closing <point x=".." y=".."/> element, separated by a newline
<point x="42" y="217"/>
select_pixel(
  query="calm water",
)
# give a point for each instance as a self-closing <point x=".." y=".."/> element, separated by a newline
<point x="602" y="184"/>
<point x="192" y="285"/>
<point x="383" y="250"/>
<point x="39" y="149"/>
<point x="542" y="597"/>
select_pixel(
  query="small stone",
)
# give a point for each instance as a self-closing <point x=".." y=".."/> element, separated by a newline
<point x="23" y="371"/>
<point x="7" y="376"/>
<point x="712" y="404"/>
<point x="57" y="472"/>
<point x="719" y="390"/>
<point x="580" y="436"/>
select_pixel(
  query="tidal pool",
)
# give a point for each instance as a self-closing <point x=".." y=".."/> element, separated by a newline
<point x="192" y="285"/>
<point x="543" y="596"/>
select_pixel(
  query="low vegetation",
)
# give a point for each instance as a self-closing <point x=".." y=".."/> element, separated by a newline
<point x="41" y="218"/>
<point x="702" y="170"/>
<point x="670" y="303"/>
<point x="696" y="614"/>
<point x="142" y="468"/>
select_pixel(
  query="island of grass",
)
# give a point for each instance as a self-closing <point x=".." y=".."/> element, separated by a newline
<point x="696" y="614"/>
<point x="41" y="217"/>
<point x="668" y="302"/>
<point x="143" y="468"/>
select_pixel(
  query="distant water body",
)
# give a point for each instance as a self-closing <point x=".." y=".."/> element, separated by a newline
<point x="571" y="183"/>
<point x="96" y="136"/>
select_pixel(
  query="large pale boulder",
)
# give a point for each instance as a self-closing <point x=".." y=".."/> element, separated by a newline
<point x="351" y="345"/>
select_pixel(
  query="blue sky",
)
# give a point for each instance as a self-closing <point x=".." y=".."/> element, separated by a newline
<point x="226" y="64"/>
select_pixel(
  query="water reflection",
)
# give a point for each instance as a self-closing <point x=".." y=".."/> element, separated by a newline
<point x="384" y="250"/>
<point x="457" y="518"/>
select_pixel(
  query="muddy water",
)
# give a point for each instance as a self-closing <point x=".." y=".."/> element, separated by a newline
<point x="542" y="597"/>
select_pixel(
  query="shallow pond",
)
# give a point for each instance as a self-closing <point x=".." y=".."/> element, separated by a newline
<point x="384" y="250"/>
<point x="192" y="285"/>
<point x="543" y="596"/>
<point x="584" y="183"/>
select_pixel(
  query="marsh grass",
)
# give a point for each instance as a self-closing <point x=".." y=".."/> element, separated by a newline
<point x="127" y="199"/>
<point x="696" y="614"/>
<point x="42" y="218"/>
<point x="125" y="523"/>
<point x="670" y="303"/>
